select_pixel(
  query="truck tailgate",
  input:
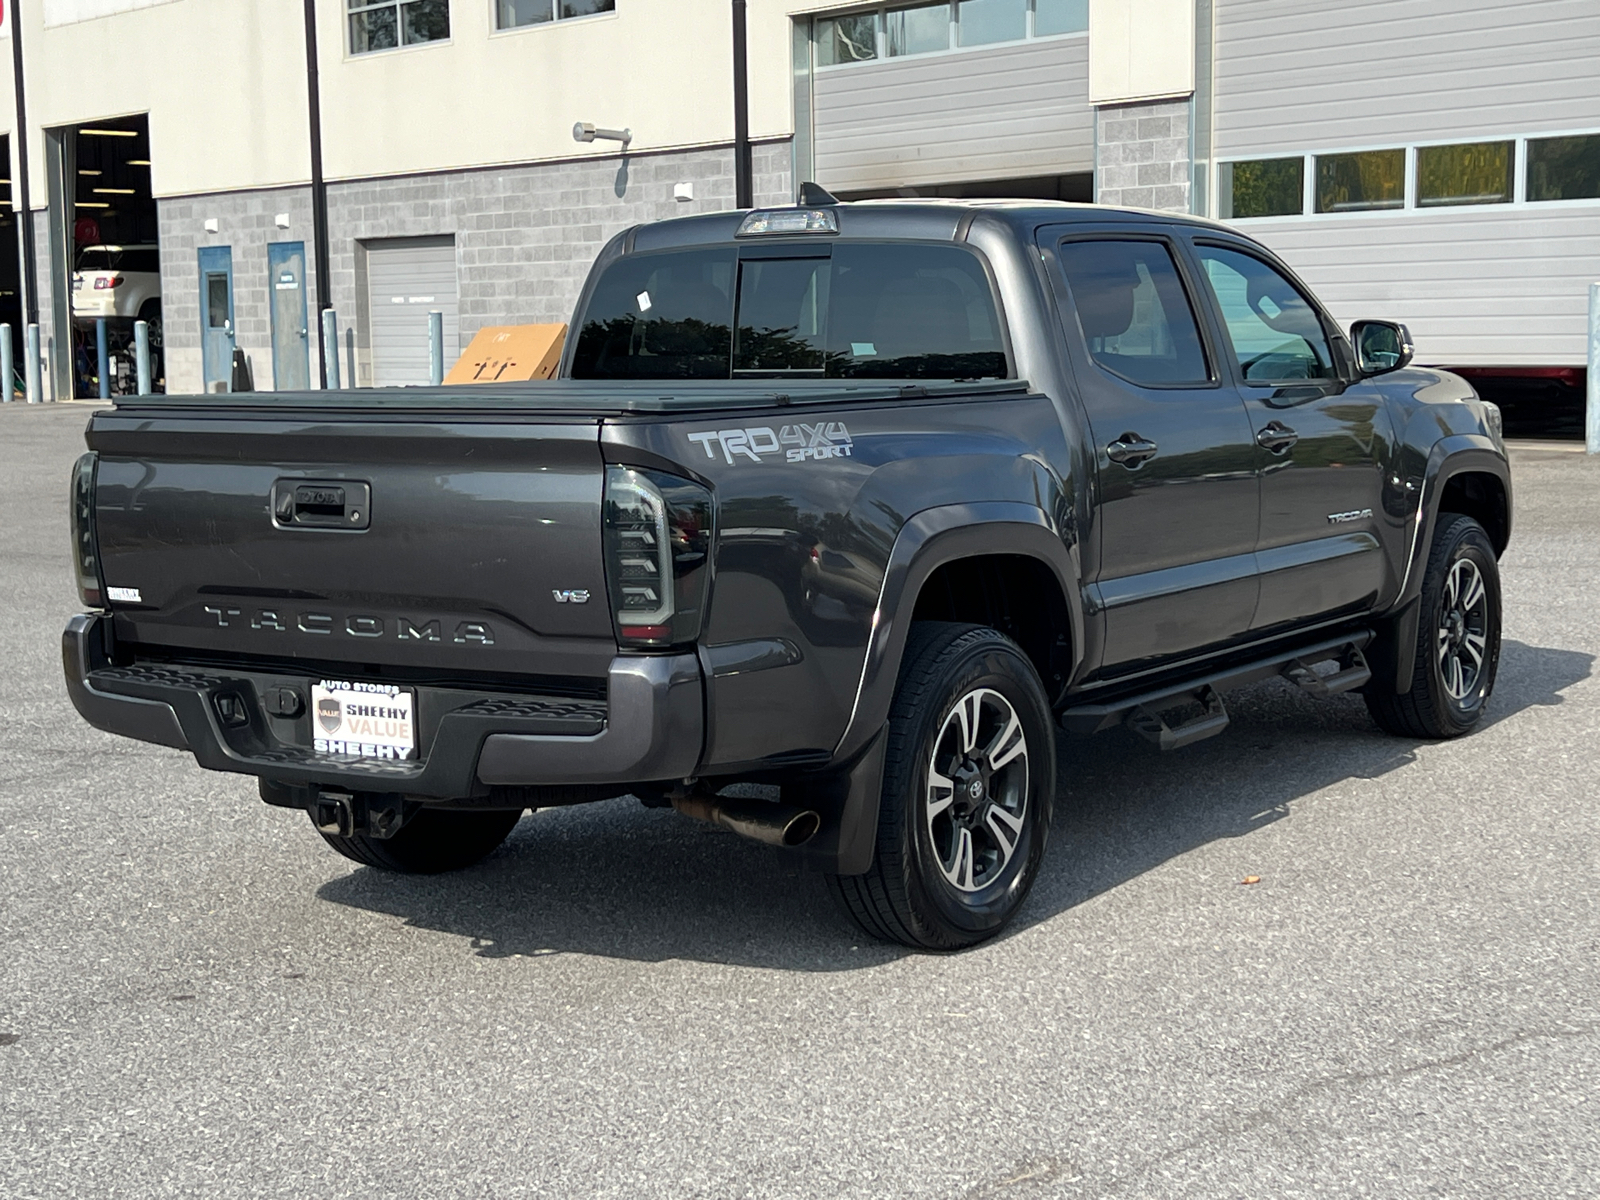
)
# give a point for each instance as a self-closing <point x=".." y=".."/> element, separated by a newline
<point x="467" y="544"/>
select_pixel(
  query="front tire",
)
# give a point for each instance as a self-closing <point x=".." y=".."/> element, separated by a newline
<point x="431" y="842"/>
<point x="1457" y="651"/>
<point x="968" y="784"/>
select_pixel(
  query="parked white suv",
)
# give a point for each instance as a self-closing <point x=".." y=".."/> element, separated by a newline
<point x="117" y="281"/>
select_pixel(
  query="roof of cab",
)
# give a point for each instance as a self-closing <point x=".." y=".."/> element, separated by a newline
<point x="921" y="219"/>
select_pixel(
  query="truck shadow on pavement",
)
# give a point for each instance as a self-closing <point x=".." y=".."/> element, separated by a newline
<point x="621" y="881"/>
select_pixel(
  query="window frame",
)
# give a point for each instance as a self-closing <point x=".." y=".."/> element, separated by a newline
<point x="556" y="21"/>
<point x="953" y="45"/>
<point x="1209" y="349"/>
<point x="1519" y="177"/>
<point x="350" y="52"/>
<point x="1523" y="163"/>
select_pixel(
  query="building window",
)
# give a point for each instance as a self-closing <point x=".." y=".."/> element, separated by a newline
<point x="918" y="30"/>
<point x="929" y="28"/>
<point x="1267" y="187"/>
<point x="1564" y="168"/>
<point x="1060" y="16"/>
<point x="1372" y="179"/>
<point x="847" y="39"/>
<point x="1479" y="173"/>
<point x="513" y="14"/>
<point x="383" y="26"/>
<point x="980" y="22"/>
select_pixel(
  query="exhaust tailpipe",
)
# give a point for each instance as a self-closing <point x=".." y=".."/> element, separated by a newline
<point x="772" y="824"/>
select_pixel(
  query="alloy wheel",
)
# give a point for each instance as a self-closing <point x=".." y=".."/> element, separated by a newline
<point x="1463" y="637"/>
<point x="977" y="793"/>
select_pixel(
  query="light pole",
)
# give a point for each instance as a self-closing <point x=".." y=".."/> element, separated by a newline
<point x="743" y="170"/>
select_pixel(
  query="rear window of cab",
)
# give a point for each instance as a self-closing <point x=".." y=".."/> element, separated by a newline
<point x="902" y="310"/>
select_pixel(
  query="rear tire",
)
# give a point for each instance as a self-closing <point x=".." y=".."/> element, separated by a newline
<point x="968" y="783"/>
<point x="433" y="841"/>
<point x="1457" y="651"/>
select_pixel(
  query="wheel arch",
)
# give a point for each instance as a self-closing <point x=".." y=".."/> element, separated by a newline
<point x="1466" y="474"/>
<point x="956" y="562"/>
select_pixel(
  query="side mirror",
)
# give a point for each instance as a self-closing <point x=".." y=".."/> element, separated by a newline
<point x="1381" y="346"/>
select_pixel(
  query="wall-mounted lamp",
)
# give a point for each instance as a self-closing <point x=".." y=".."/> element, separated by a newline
<point x="585" y="132"/>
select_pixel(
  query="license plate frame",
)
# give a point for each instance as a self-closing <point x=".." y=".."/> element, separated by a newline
<point x="360" y="719"/>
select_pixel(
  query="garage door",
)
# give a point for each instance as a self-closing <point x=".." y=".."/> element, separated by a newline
<point x="407" y="279"/>
<point x="1014" y="111"/>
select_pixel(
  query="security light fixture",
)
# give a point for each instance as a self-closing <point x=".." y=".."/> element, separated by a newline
<point x="585" y="132"/>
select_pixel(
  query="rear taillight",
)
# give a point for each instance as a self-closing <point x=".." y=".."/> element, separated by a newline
<point x="104" y="283"/>
<point x="658" y="555"/>
<point x="85" y="545"/>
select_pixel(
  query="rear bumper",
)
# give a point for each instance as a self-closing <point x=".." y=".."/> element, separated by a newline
<point x="649" y="728"/>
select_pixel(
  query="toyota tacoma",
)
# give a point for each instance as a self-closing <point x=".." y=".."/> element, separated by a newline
<point x="869" y="503"/>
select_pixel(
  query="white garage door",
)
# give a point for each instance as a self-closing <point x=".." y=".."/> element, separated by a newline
<point x="408" y="278"/>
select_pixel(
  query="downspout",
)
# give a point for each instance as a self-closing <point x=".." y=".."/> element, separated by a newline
<point x="30" y="265"/>
<point x="319" y="191"/>
<point x="743" y="169"/>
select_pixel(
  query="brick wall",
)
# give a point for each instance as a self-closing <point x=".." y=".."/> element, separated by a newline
<point x="1142" y="155"/>
<point x="525" y="237"/>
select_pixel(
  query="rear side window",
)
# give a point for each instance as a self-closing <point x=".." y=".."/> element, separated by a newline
<point x="1134" y="313"/>
<point x="863" y="311"/>
<point x="660" y="316"/>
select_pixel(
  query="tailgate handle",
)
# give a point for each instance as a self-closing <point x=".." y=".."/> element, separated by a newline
<point x="321" y="504"/>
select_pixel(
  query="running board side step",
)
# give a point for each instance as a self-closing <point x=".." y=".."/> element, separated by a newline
<point x="1142" y="713"/>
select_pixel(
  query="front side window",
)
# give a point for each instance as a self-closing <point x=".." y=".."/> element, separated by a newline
<point x="383" y="26"/>
<point x="1477" y="173"/>
<point x="1134" y="313"/>
<point x="1266" y="187"/>
<point x="1371" y="179"/>
<point x="513" y="14"/>
<point x="1564" y="168"/>
<point x="860" y="311"/>
<point x="1276" y="334"/>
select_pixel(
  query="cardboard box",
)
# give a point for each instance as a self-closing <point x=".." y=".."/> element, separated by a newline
<point x="502" y="353"/>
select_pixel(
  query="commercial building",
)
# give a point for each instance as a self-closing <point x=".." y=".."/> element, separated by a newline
<point x="1431" y="161"/>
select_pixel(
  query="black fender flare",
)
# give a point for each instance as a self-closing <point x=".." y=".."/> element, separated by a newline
<point x="1459" y="454"/>
<point x="926" y="542"/>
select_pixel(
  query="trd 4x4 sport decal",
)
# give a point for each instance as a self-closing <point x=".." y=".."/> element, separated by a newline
<point x="797" y="443"/>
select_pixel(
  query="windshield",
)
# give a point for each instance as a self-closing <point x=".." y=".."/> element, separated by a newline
<point x="843" y="311"/>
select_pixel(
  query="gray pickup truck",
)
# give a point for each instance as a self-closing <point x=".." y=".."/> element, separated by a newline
<point x="869" y="503"/>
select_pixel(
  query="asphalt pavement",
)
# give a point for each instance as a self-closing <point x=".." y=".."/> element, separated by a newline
<point x="198" y="998"/>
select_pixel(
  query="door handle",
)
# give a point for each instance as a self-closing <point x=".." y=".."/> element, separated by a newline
<point x="1276" y="437"/>
<point x="1131" y="450"/>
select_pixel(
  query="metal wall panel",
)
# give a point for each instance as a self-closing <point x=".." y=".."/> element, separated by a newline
<point x="407" y="279"/>
<point x="1012" y="111"/>
<point x="1484" y="286"/>
<point x="1295" y="75"/>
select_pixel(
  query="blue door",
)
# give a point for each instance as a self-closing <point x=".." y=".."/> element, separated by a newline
<point x="216" y="316"/>
<point x="291" y="347"/>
